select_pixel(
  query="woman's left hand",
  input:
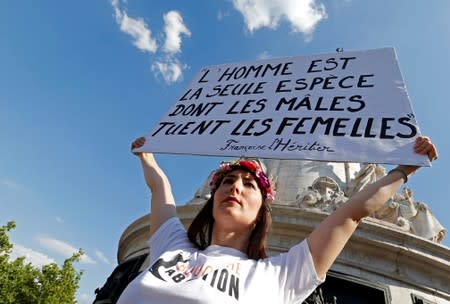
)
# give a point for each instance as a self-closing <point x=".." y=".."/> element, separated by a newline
<point x="424" y="146"/>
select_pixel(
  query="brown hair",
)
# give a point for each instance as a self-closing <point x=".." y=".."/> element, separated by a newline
<point x="200" y="230"/>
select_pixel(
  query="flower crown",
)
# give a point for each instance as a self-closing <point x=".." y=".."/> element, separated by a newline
<point x="248" y="165"/>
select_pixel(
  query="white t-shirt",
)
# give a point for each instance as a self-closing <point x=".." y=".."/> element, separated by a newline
<point x="180" y="273"/>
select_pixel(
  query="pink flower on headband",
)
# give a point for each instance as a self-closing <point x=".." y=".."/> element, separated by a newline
<point x="250" y="166"/>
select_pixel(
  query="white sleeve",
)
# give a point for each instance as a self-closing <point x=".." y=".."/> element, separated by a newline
<point x="170" y="236"/>
<point x="296" y="273"/>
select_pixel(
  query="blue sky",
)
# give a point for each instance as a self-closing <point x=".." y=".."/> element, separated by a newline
<point x="80" y="80"/>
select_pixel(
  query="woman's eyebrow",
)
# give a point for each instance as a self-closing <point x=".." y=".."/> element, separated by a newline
<point x="249" y="178"/>
<point x="230" y="175"/>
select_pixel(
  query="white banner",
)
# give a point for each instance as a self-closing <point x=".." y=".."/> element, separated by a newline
<point x="350" y="106"/>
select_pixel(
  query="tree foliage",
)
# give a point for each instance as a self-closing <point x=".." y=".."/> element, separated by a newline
<point x="21" y="282"/>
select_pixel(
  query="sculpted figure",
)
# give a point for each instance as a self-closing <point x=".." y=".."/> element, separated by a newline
<point x="368" y="174"/>
<point x="323" y="195"/>
<point x="412" y="216"/>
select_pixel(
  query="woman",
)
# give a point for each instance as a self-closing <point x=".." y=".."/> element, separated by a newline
<point x="222" y="258"/>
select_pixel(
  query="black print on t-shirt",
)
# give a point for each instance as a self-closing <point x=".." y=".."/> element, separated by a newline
<point x="167" y="265"/>
<point x="225" y="280"/>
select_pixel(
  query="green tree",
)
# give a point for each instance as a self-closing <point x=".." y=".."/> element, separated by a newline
<point x="24" y="283"/>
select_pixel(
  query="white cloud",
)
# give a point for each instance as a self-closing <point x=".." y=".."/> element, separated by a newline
<point x="168" y="65"/>
<point x="11" y="184"/>
<point x="101" y="256"/>
<point x="302" y="15"/>
<point x="34" y="257"/>
<point x="136" y="28"/>
<point x="264" y="55"/>
<point x="169" y="68"/>
<point x="174" y="28"/>
<point x="64" y="249"/>
<point x="221" y="15"/>
<point x="85" y="298"/>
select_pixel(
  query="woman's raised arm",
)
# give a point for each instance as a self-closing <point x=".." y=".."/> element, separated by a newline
<point x="329" y="238"/>
<point x="162" y="201"/>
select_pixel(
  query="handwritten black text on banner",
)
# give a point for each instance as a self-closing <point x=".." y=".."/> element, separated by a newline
<point x="333" y="107"/>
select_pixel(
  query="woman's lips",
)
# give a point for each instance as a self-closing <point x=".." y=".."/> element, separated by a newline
<point x="232" y="199"/>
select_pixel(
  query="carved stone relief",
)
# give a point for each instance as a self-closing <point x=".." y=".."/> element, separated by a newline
<point x="324" y="195"/>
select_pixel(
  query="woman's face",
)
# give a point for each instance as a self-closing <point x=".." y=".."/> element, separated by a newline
<point x="237" y="201"/>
